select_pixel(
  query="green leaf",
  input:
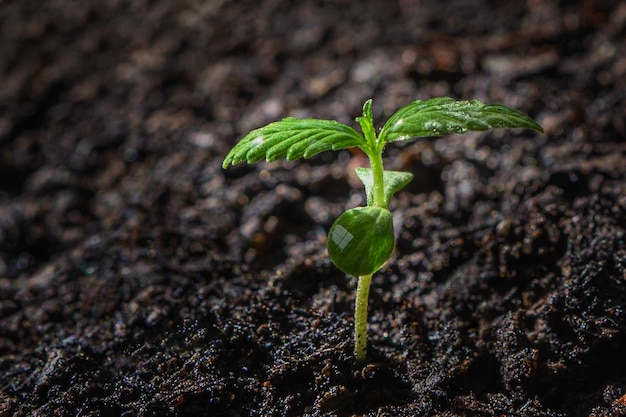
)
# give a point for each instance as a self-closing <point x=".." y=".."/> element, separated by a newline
<point x="367" y="111"/>
<point x="443" y="115"/>
<point x="393" y="181"/>
<point x="293" y="138"/>
<point x="366" y="120"/>
<point x="361" y="240"/>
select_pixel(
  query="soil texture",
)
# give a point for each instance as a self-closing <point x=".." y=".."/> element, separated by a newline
<point x="139" y="278"/>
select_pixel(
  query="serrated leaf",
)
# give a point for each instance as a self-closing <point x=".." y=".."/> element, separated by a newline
<point x="393" y="182"/>
<point x="292" y="138"/>
<point x="443" y="115"/>
<point x="361" y="240"/>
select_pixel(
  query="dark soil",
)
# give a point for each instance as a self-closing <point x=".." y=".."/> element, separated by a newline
<point x="137" y="278"/>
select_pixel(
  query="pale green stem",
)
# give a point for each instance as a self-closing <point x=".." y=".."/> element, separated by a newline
<point x="376" y="161"/>
<point x="375" y="154"/>
<point x="360" y="318"/>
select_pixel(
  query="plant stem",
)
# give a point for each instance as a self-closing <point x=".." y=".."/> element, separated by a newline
<point x="360" y="318"/>
<point x="374" y="151"/>
<point x="376" y="161"/>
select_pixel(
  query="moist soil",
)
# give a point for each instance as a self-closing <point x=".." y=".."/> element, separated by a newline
<point x="139" y="278"/>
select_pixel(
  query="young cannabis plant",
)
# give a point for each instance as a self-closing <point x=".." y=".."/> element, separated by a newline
<point x="361" y="239"/>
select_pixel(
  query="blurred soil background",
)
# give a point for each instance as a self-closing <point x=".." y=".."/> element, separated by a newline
<point x="138" y="278"/>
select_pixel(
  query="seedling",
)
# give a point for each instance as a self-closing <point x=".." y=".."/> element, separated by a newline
<point x="361" y="239"/>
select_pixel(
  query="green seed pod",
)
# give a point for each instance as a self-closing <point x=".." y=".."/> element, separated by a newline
<point x="361" y="240"/>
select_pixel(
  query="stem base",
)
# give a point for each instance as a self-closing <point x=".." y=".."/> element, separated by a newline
<point x="360" y="318"/>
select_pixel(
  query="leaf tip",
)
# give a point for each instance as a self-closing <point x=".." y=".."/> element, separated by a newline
<point x="367" y="108"/>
